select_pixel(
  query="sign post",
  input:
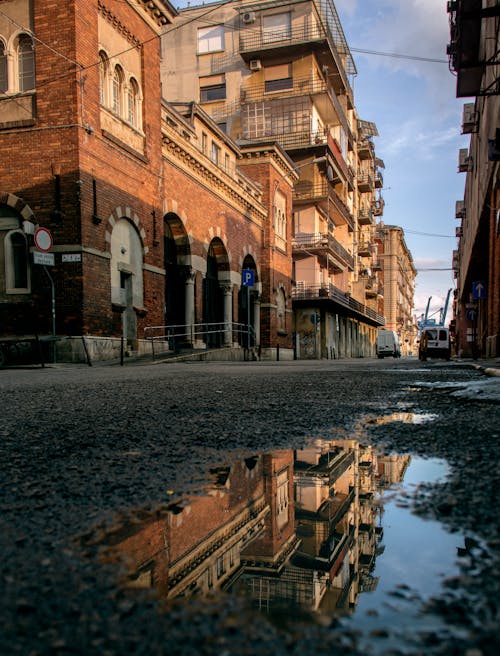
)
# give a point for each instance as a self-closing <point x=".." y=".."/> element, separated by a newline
<point x="43" y="242"/>
<point x="248" y="280"/>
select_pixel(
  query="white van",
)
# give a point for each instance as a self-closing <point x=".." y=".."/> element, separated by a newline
<point x="434" y="343"/>
<point x="388" y="344"/>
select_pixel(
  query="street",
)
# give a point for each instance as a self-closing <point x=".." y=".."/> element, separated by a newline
<point x="85" y="448"/>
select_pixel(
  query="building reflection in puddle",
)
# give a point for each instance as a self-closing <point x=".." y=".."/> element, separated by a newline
<point x="294" y="529"/>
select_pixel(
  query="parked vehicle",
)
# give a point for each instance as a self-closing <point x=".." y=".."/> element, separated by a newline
<point x="434" y="343"/>
<point x="388" y="344"/>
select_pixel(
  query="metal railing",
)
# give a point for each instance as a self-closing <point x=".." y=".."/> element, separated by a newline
<point x="323" y="191"/>
<point x="174" y="337"/>
<point x="328" y="291"/>
<point x="324" y="241"/>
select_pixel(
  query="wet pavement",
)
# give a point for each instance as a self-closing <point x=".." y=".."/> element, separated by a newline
<point x="351" y="508"/>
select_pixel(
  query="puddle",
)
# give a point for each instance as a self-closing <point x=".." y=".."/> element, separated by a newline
<point x="326" y="529"/>
<point x="404" y="418"/>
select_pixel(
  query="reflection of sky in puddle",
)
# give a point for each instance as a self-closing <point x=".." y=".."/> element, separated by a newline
<point x="326" y="528"/>
<point x="418" y="555"/>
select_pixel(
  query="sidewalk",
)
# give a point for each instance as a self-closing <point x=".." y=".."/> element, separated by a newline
<point x="490" y="367"/>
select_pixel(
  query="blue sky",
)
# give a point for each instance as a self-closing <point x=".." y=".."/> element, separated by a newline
<point x="418" y="117"/>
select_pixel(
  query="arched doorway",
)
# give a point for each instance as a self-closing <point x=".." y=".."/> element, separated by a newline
<point x="179" y="304"/>
<point x="126" y="275"/>
<point x="246" y="306"/>
<point x="213" y="293"/>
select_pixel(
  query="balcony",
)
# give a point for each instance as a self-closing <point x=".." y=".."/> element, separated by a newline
<point x="263" y="42"/>
<point x="365" y="249"/>
<point x="379" y="180"/>
<point x="365" y="182"/>
<point x="322" y="193"/>
<point x="378" y="206"/>
<point x="366" y="149"/>
<point x="328" y="293"/>
<point x="323" y="243"/>
<point x="365" y="216"/>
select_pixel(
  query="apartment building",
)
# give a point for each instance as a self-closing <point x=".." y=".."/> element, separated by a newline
<point x="397" y="275"/>
<point x="282" y="72"/>
<point x="473" y="50"/>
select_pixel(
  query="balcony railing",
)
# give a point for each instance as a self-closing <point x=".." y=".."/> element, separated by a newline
<point x="365" y="216"/>
<point x="298" y="87"/>
<point x="290" y="140"/>
<point x="327" y="291"/>
<point x="323" y="192"/>
<point x="379" y="180"/>
<point x="366" y="149"/>
<point x="253" y="41"/>
<point x="365" y="249"/>
<point x="324" y="242"/>
<point x="365" y="182"/>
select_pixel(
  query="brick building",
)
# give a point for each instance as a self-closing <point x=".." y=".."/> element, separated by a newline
<point x="151" y="213"/>
<point x="474" y="47"/>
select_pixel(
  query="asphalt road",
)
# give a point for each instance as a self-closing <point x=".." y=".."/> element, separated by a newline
<point x="84" y="447"/>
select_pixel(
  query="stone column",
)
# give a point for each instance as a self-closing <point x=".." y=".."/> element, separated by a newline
<point x="228" y="313"/>
<point x="190" y="276"/>
<point x="256" y="318"/>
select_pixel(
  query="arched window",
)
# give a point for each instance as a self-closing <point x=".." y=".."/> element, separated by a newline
<point x="118" y="90"/>
<point x="133" y="102"/>
<point x="16" y="262"/>
<point x="25" y="63"/>
<point x="3" y="68"/>
<point x="103" y="78"/>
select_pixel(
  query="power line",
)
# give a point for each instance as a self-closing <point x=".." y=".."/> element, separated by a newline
<point x="397" y="55"/>
<point x="427" y="234"/>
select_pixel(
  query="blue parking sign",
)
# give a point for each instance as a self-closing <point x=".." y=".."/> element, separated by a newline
<point x="248" y="278"/>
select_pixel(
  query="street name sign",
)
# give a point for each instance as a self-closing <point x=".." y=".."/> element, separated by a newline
<point x="47" y="259"/>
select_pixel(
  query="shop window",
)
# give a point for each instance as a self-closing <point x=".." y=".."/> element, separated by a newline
<point x="210" y="39"/>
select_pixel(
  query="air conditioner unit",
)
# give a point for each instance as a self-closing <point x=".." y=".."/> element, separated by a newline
<point x="469" y="119"/>
<point x="464" y="160"/>
<point x="459" y="232"/>
<point x="248" y="17"/>
<point x="255" y="64"/>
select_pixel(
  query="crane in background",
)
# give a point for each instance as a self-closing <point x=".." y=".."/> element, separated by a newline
<point x="427" y="320"/>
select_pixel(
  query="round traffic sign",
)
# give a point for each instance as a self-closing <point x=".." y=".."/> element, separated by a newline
<point x="43" y="239"/>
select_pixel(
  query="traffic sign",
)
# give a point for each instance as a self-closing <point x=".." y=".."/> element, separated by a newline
<point x="47" y="259"/>
<point x="248" y="277"/>
<point x="471" y="315"/>
<point x="479" y="290"/>
<point x="43" y="239"/>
